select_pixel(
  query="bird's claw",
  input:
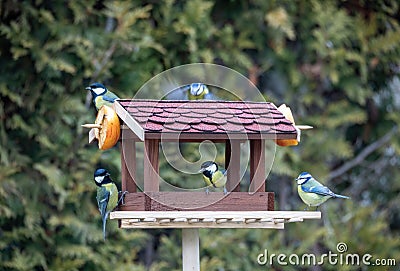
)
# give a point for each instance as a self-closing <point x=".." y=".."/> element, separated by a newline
<point x="121" y="199"/>
<point x="225" y="191"/>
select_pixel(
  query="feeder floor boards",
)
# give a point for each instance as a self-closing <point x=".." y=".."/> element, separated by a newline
<point x="211" y="219"/>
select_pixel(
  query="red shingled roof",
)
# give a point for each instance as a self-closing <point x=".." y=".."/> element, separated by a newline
<point x="207" y="117"/>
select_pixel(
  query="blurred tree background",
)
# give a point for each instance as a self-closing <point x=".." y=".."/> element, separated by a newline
<point x="336" y="63"/>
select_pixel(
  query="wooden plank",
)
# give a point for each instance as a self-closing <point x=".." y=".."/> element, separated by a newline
<point x="128" y="165"/>
<point x="125" y="224"/>
<point x="190" y="250"/>
<point x="287" y="215"/>
<point x="129" y="120"/>
<point x="173" y="137"/>
<point x="257" y="165"/>
<point x="271" y="200"/>
<point x="232" y="164"/>
<point x="92" y="136"/>
<point x="134" y="202"/>
<point x="212" y="219"/>
<point x="198" y="201"/>
<point x="151" y="165"/>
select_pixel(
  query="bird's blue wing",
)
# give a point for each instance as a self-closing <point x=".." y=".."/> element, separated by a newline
<point x="102" y="201"/>
<point x="210" y="96"/>
<point x="224" y="171"/>
<point x="320" y="190"/>
<point x="110" y="97"/>
<point x="185" y="88"/>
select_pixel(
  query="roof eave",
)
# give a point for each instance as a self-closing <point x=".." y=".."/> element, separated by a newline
<point x="129" y="120"/>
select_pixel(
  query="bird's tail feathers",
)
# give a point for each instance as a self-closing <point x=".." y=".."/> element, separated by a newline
<point x="104" y="218"/>
<point x="341" y="197"/>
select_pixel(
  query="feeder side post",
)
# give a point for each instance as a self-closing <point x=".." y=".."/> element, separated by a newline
<point x="257" y="165"/>
<point x="232" y="164"/>
<point x="151" y="165"/>
<point x="128" y="165"/>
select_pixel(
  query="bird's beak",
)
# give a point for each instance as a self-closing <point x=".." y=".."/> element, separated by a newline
<point x="201" y="170"/>
<point x="88" y="88"/>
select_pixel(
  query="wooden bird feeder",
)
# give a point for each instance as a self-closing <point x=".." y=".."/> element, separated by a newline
<point x="227" y="122"/>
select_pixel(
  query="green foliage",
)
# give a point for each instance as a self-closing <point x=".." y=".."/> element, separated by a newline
<point x="335" y="63"/>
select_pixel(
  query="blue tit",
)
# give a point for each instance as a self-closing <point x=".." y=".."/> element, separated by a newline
<point x="101" y="95"/>
<point x="312" y="192"/>
<point x="107" y="195"/>
<point x="197" y="91"/>
<point x="212" y="176"/>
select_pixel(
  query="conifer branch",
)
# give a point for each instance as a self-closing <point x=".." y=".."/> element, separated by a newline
<point x="362" y="155"/>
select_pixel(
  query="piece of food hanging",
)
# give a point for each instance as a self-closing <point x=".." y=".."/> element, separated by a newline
<point x="285" y="110"/>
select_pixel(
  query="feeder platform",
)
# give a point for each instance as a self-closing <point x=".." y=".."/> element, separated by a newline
<point x="211" y="219"/>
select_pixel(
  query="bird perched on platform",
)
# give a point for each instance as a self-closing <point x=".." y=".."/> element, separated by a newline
<point x="312" y="192"/>
<point x="212" y="176"/>
<point x="107" y="195"/>
<point x="101" y="95"/>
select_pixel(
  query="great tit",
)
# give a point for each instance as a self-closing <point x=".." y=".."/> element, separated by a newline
<point x="101" y="95"/>
<point x="212" y="176"/>
<point x="312" y="192"/>
<point x="107" y="195"/>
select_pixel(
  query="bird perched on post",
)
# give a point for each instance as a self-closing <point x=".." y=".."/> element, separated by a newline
<point x="312" y="192"/>
<point x="107" y="195"/>
<point x="212" y="176"/>
<point x="101" y="95"/>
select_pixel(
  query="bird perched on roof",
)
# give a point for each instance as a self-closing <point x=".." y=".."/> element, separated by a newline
<point x="193" y="91"/>
<point x="312" y="192"/>
<point x="212" y="176"/>
<point x="101" y="95"/>
<point x="197" y="91"/>
<point x="107" y="195"/>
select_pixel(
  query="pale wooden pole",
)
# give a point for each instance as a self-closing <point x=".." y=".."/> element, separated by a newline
<point x="190" y="250"/>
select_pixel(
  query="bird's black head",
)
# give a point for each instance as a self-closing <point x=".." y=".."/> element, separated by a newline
<point x="101" y="176"/>
<point x="97" y="89"/>
<point x="208" y="168"/>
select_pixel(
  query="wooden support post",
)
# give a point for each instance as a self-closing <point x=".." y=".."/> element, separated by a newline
<point x="232" y="165"/>
<point x="150" y="164"/>
<point x="257" y="165"/>
<point x="190" y="250"/>
<point x="128" y="165"/>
